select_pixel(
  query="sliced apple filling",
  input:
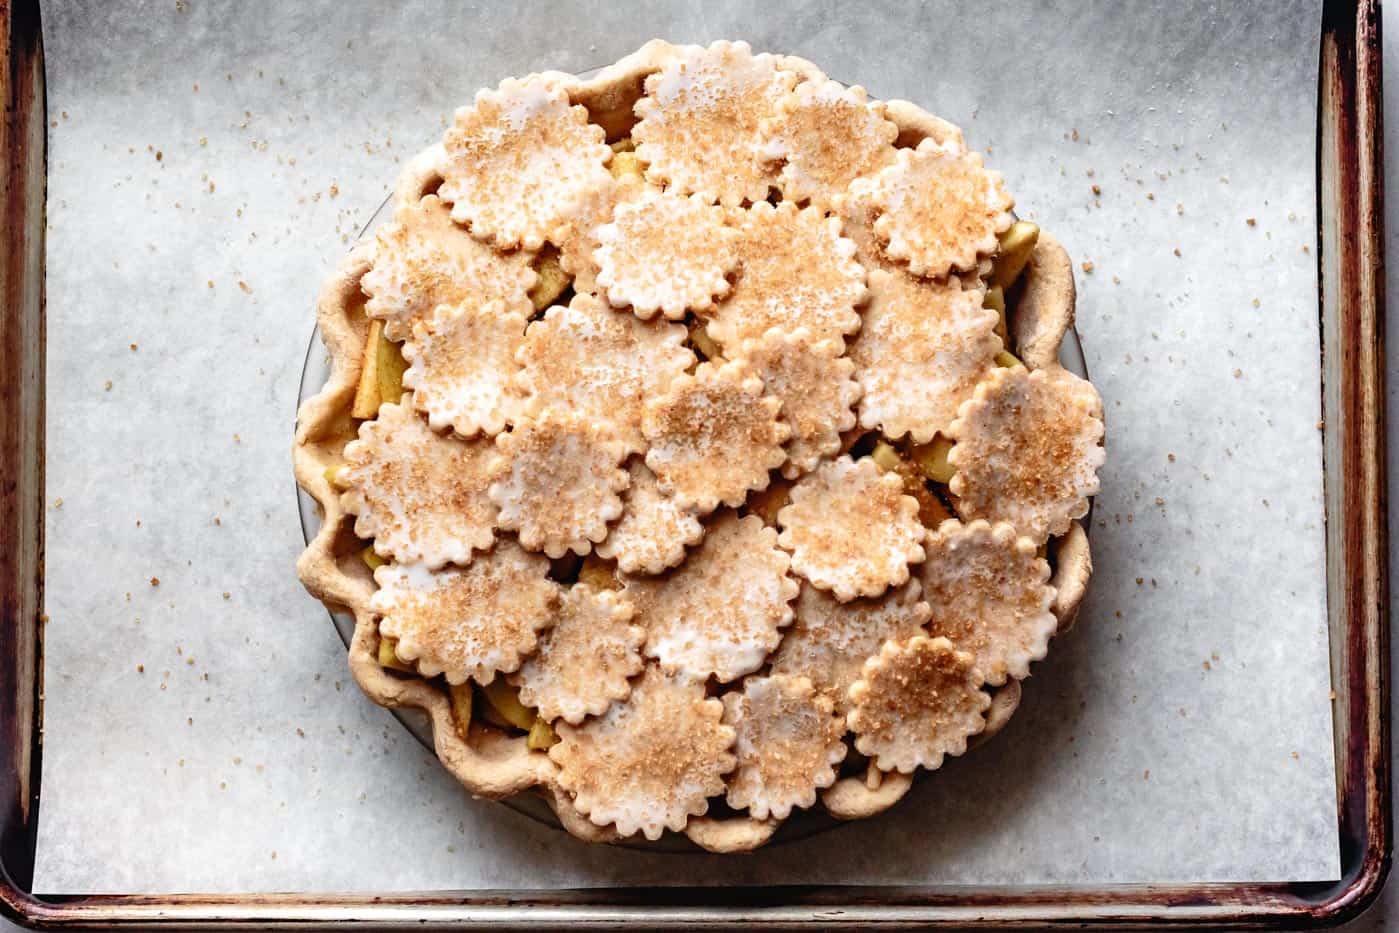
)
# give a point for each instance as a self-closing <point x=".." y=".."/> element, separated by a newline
<point x="462" y="698"/>
<point x="625" y="163"/>
<point x="931" y="510"/>
<point x="503" y="707"/>
<point x="1013" y="253"/>
<point x="380" y="374"/>
<point x="766" y="503"/>
<point x="1016" y="245"/>
<point x="701" y="341"/>
<point x="388" y="658"/>
<point x="1007" y="360"/>
<point x="553" y="280"/>
<point x="599" y="574"/>
<point x="996" y="300"/>
<point x="931" y="459"/>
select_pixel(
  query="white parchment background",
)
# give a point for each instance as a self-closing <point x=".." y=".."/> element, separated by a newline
<point x="206" y="168"/>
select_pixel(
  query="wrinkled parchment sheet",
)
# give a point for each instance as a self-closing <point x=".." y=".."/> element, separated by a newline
<point x="209" y="164"/>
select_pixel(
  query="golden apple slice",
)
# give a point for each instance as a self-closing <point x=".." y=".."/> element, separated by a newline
<point x="1017" y="244"/>
<point x="625" y="164"/>
<point x="701" y="341"/>
<point x="388" y="658"/>
<point x="505" y="700"/>
<point x="768" y="502"/>
<point x="1007" y="360"/>
<point x="886" y="457"/>
<point x="461" y="708"/>
<point x="541" y="736"/>
<point x="996" y="300"/>
<point x="553" y="281"/>
<point x="931" y="459"/>
<point x="391" y="367"/>
<point x="598" y="573"/>
<point x="367" y="397"/>
<point x="371" y="557"/>
<point x="335" y="476"/>
<point x="931" y="511"/>
<point x="487" y="712"/>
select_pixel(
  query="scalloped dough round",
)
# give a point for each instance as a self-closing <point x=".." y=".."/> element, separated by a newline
<point x="923" y="349"/>
<point x="813" y="381"/>
<point x="461" y="367"/>
<point x="801" y="136"/>
<point x="698" y="123"/>
<point x="721" y="612"/>
<point x="654" y="530"/>
<point x="421" y="497"/>
<point x="916" y="702"/>
<point x="939" y="210"/>
<point x="788" y="745"/>
<point x="467" y="622"/>
<point x="850" y="529"/>
<point x="796" y="270"/>
<point x="520" y="163"/>
<point x="601" y="364"/>
<point x="1027" y="447"/>
<point x="651" y="761"/>
<point x="664" y="252"/>
<point x="585" y="659"/>
<point x="557" y="483"/>
<point x="714" y="436"/>
<point x="423" y="260"/>
<point x="991" y="590"/>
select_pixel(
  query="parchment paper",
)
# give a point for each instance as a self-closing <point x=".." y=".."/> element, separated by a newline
<point x="209" y="163"/>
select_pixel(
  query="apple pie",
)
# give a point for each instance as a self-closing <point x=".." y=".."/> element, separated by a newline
<point x="696" y="452"/>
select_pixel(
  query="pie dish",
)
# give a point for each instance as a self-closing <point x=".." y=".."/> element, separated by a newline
<point x="696" y="453"/>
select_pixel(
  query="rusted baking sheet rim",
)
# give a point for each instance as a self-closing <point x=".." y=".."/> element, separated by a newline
<point x="1351" y="269"/>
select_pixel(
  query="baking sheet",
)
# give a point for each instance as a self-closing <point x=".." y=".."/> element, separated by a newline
<point x="209" y="163"/>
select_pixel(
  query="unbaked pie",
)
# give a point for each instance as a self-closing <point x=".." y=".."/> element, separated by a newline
<point x="696" y="447"/>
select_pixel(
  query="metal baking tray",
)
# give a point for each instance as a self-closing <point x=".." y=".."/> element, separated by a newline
<point x="1349" y="169"/>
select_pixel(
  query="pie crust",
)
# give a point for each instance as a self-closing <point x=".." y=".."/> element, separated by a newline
<point x="467" y="622"/>
<point x="939" y="210"/>
<point x="814" y="382"/>
<point x="399" y="467"/>
<point x="851" y="530"/>
<point x="585" y="659"/>
<point x="788" y="744"/>
<point x="654" y="529"/>
<point x="992" y="594"/>
<point x="916" y="702"/>
<point x="521" y="161"/>
<point x="557" y="482"/>
<point x="714" y="436"/>
<point x="801" y="136"/>
<point x="1027" y="450"/>
<point x="601" y="365"/>
<point x="461" y="367"/>
<point x="830" y="640"/>
<point x="664" y="252"/>
<point x="698" y="127"/>
<point x="650" y="762"/>
<point x="627" y="448"/>
<point x="719" y="614"/>
<point x="797" y="271"/>
<point x="423" y="260"/>
<point x="923" y="349"/>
